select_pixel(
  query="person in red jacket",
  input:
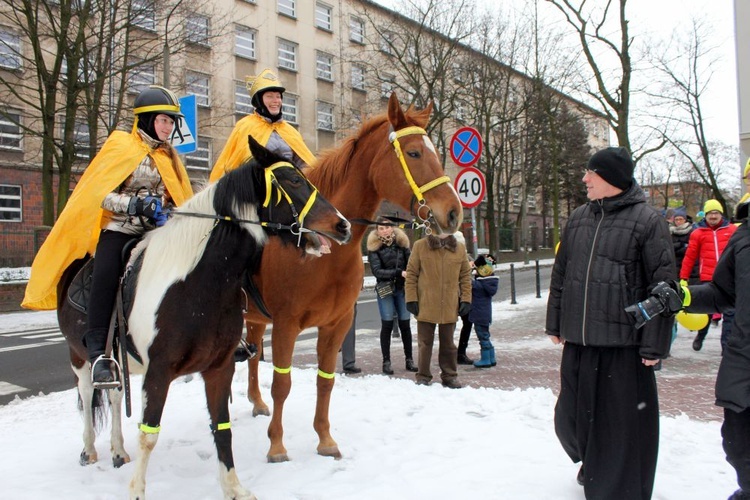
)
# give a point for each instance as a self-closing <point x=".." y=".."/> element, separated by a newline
<point x="707" y="242"/>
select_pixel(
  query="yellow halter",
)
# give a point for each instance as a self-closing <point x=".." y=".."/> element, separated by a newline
<point x="271" y="181"/>
<point x="418" y="190"/>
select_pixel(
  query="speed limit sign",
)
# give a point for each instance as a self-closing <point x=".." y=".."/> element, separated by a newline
<point x="470" y="186"/>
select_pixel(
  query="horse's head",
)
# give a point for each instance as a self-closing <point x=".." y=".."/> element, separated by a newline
<point x="423" y="187"/>
<point x="289" y="199"/>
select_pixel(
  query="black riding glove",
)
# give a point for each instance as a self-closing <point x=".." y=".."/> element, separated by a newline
<point x="413" y="307"/>
<point x="464" y="308"/>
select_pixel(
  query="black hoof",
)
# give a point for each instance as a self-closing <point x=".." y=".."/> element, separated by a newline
<point x="84" y="459"/>
<point x="118" y="462"/>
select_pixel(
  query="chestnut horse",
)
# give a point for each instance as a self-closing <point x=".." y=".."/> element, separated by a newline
<point x="390" y="157"/>
<point x="187" y="309"/>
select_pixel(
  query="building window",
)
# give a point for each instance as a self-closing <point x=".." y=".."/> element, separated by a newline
<point x="323" y="16"/>
<point x="287" y="7"/>
<point x="324" y="66"/>
<point x="287" y="55"/>
<point x="386" y="86"/>
<point x="10" y="130"/>
<point x="356" y="30"/>
<point x="197" y="29"/>
<point x="676" y="191"/>
<point x="143" y="14"/>
<point x="244" y="42"/>
<point x="10" y="50"/>
<point x="386" y="42"/>
<point x="82" y="139"/>
<point x="11" y="208"/>
<point x="198" y="84"/>
<point x="358" y="77"/>
<point x="242" y="102"/>
<point x="325" y="116"/>
<point x="516" y="197"/>
<point x="531" y="201"/>
<point x="200" y="159"/>
<point x="289" y="108"/>
<point x="140" y="77"/>
<point x="460" y="112"/>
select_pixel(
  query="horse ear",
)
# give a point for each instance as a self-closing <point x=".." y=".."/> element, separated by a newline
<point x="421" y="117"/>
<point x="259" y="152"/>
<point x="396" y="115"/>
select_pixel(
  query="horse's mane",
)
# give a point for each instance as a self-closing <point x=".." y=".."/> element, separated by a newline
<point x="334" y="163"/>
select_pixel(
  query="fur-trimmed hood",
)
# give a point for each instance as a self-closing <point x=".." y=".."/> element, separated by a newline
<point x="399" y="237"/>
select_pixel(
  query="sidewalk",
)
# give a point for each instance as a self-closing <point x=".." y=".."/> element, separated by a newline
<point x="527" y="358"/>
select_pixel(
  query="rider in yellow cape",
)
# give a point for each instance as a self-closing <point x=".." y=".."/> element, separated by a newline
<point x="266" y="125"/>
<point x="77" y="230"/>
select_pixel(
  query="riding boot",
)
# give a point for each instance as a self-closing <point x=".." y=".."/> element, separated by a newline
<point x="385" y="345"/>
<point x="95" y="341"/>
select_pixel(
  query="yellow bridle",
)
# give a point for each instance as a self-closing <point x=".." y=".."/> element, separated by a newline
<point x="417" y="190"/>
<point x="272" y="181"/>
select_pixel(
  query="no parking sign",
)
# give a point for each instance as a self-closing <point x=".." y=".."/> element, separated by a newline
<point x="466" y="147"/>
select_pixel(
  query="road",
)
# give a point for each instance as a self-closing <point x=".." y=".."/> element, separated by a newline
<point x="34" y="360"/>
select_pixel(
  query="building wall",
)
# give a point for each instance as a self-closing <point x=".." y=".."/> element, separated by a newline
<point x="226" y="69"/>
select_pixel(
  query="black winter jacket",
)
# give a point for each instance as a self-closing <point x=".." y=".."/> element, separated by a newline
<point x="612" y="252"/>
<point x="729" y="290"/>
<point x="388" y="261"/>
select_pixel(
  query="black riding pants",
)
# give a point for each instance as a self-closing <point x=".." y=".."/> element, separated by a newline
<point x="108" y="267"/>
<point x="607" y="416"/>
<point x="735" y="433"/>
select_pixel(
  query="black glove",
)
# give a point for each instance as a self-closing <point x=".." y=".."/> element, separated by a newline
<point x="665" y="299"/>
<point x="149" y="206"/>
<point x="464" y="308"/>
<point x="413" y="307"/>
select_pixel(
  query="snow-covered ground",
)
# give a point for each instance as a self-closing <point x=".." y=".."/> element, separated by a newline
<point x="399" y="441"/>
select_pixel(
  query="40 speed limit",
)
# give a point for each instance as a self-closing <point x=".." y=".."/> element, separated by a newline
<point x="470" y="186"/>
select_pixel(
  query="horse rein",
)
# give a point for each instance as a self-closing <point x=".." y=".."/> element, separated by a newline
<point x="418" y="191"/>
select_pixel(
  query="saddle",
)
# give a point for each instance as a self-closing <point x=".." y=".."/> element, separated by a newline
<point x="79" y="290"/>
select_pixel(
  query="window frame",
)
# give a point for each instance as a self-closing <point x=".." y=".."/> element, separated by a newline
<point x="326" y="26"/>
<point x="11" y="197"/>
<point x="10" y="59"/>
<point x="192" y="86"/>
<point x="295" y="53"/>
<point x="198" y="33"/>
<point x="327" y="114"/>
<point x="201" y="154"/>
<point x="250" y="49"/>
<point x="145" y="17"/>
<point x="289" y="110"/>
<point x="358" y="77"/>
<point x="356" y="35"/>
<point x="289" y="10"/>
<point x="6" y="133"/>
<point x="321" y="74"/>
<point x="240" y="96"/>
<point x="387" y="85"/>
<point x="139" y="78"/>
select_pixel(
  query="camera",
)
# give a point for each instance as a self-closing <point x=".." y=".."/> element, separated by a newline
<point x="665" y="299"/>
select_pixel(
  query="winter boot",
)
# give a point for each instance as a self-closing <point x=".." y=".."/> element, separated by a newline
<point x="699" y="338"/>
<point x="493" y="362"/>
<point x="410" y="366"/>
<point x="387" y="368"/>
<point x="102" y="373"/>
<point x="487" y="354"/>
<point x="463" y="342"/>
<point x="405" y="328"/>
<point x="463" y="359"/>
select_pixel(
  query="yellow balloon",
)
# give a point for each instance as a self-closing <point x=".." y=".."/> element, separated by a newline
<point x="691" y="321"/>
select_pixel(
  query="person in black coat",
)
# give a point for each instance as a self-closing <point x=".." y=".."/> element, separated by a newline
<point x="483" y="288"/>
<point x="614" y="249"/>
<point x="727" y="290"/>
<point x="388" y="251"/>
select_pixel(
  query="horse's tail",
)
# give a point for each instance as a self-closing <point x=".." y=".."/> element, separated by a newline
<point x="99" y="408"/>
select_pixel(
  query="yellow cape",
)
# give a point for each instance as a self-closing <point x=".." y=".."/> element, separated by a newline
<point x="237" y="148"/>
<point x="76" y="231"/>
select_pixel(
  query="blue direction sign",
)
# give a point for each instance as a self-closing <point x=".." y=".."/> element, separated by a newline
<point x="189" y="128"/>
<point x="466" y="147"/>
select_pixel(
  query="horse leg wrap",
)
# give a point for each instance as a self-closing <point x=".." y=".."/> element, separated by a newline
<point x="147" y="429"/>
<point x="327" y="375"/>
<point x="283" y="371"/>
<point x="223" y="426"/>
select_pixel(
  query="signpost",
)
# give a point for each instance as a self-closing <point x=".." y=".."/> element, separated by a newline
<point x="466" y="149"/>
<point x="189" y="128"/>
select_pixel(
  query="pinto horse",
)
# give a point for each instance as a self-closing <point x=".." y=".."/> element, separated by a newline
<point x="187" y="309"/>
<point x="390" y="157"/>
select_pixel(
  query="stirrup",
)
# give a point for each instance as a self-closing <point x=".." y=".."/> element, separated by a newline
<point x="116" y="383"/>
<point x="245" y="351"/>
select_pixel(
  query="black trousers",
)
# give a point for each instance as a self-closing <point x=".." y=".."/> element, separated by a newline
<point x="107" y="270"/>
<point x="735" y="432"/>
<point x="607" y="416"/>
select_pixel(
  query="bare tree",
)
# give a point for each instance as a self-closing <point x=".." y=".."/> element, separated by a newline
<point x="593" y="25"/>
<point x="686" y="66"/>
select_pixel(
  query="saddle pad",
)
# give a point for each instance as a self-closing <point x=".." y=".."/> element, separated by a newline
<point x="80" y="287"/>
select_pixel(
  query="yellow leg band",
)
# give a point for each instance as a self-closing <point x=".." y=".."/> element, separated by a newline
<point x="283" y="371"/>
<point x="147" y="429"/>
<point x="323" y="374"/>
<point x="224" y="426"/>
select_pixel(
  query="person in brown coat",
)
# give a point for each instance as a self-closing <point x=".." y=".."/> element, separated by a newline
<point x="438" y="290"/>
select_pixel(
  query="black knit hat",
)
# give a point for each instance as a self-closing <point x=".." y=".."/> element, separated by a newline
<point x="614" y="165"/>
